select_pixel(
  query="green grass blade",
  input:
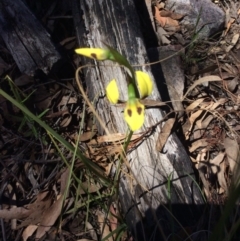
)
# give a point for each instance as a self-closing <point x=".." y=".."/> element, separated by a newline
<point x="89" y="164"/>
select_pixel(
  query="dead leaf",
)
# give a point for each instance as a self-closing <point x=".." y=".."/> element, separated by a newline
<point x="163" y="36"/>
<point x="66" y="119"/>
<point x="30" y="173"/>
<point x="194" y="116"/>
<point x="50" y="215"/>
<point x="85" y="239"/>
<point x="115" y="137"/>
<point x="205" y="70"/>
<point x="215" y="50"/>
<point x="13" y="221"/>
<point x="172" y="25"/>
<point x="229" y="24"/>
<point x="28" y="232"/>
<point x="199" y="143"/>
<point x="18" y="213"/>
<point x="56" y="114"/>
<point x="215" y="162"/>
<point x="112" y="216"/>
<point x="233" y="42"/>
<point x="201" y="81"/>
<point x="102" y="153"/>
<point x="231" y="70"/>
<point x="160" y="5"/>
<point x="170" y="14"/>
<point x="232" y="84"/>
<point x="206" y="119"/>
<point x="218" y="168"/>
<point x="89" y="187"/>
<point x="201" y="124"/>
<point x="165" y="132"/>
<point x="63" y="180"/>
<point x="204" y="180"/>
<point x="90" y="229"/>
<point x="66" y="100"/>
<point x="37" y="209"/>
<point x="104" y="227"/>
<point x="43" y="99"/>
<point x="202" y="156"/>
<point x="221" y="178"/>
<point x="167" y="22"/>
<point x="232" y="149"/>
<point x="215" y="105"/>
<point x="67" y="41"/>
<point x="23" y="80"/>
<point x="195" y="104"/>
<point x="108" y="168"/>
<point x="86" y="136"/>
<point x="161" y="20"/>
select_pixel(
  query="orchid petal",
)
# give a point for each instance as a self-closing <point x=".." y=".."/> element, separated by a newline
<point x="145" y="84"/>
<point x="112" y="92"/>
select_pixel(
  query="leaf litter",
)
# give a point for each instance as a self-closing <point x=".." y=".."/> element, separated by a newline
<point x="211" y="99"/>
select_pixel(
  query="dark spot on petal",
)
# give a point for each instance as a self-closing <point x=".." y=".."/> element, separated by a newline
<point x="129" y="112"/>
<point x="139" y="110"/>
<point x="94" y="55"/>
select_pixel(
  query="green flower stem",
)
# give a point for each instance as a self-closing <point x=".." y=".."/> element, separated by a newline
<point x="117" y="57"/>
<point x="131" y="92"/>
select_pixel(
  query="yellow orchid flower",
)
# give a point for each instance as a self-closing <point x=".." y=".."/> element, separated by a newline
<point x="134" y="114"/>
<point x="134" y="110"/>
<point x="112" y="92"/>
<point x="144" y="82"/>
<point x="94" y="53"/>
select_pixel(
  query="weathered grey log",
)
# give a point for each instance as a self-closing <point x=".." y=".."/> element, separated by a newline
<point x="27" y="40"/>
<point x="143" y="198"/>
<point x="173" y="72"/>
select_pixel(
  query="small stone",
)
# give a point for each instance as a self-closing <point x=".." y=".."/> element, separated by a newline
<point x="209" y="16"/>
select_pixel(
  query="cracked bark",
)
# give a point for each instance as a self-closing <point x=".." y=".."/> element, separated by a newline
<point x="25" y="37"/>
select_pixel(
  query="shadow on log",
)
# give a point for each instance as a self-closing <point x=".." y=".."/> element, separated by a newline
<point x="158" y="181"/>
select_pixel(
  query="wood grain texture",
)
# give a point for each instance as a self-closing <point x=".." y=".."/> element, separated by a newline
<point x="117" y="24"/>
<point x="27" y="40"/>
